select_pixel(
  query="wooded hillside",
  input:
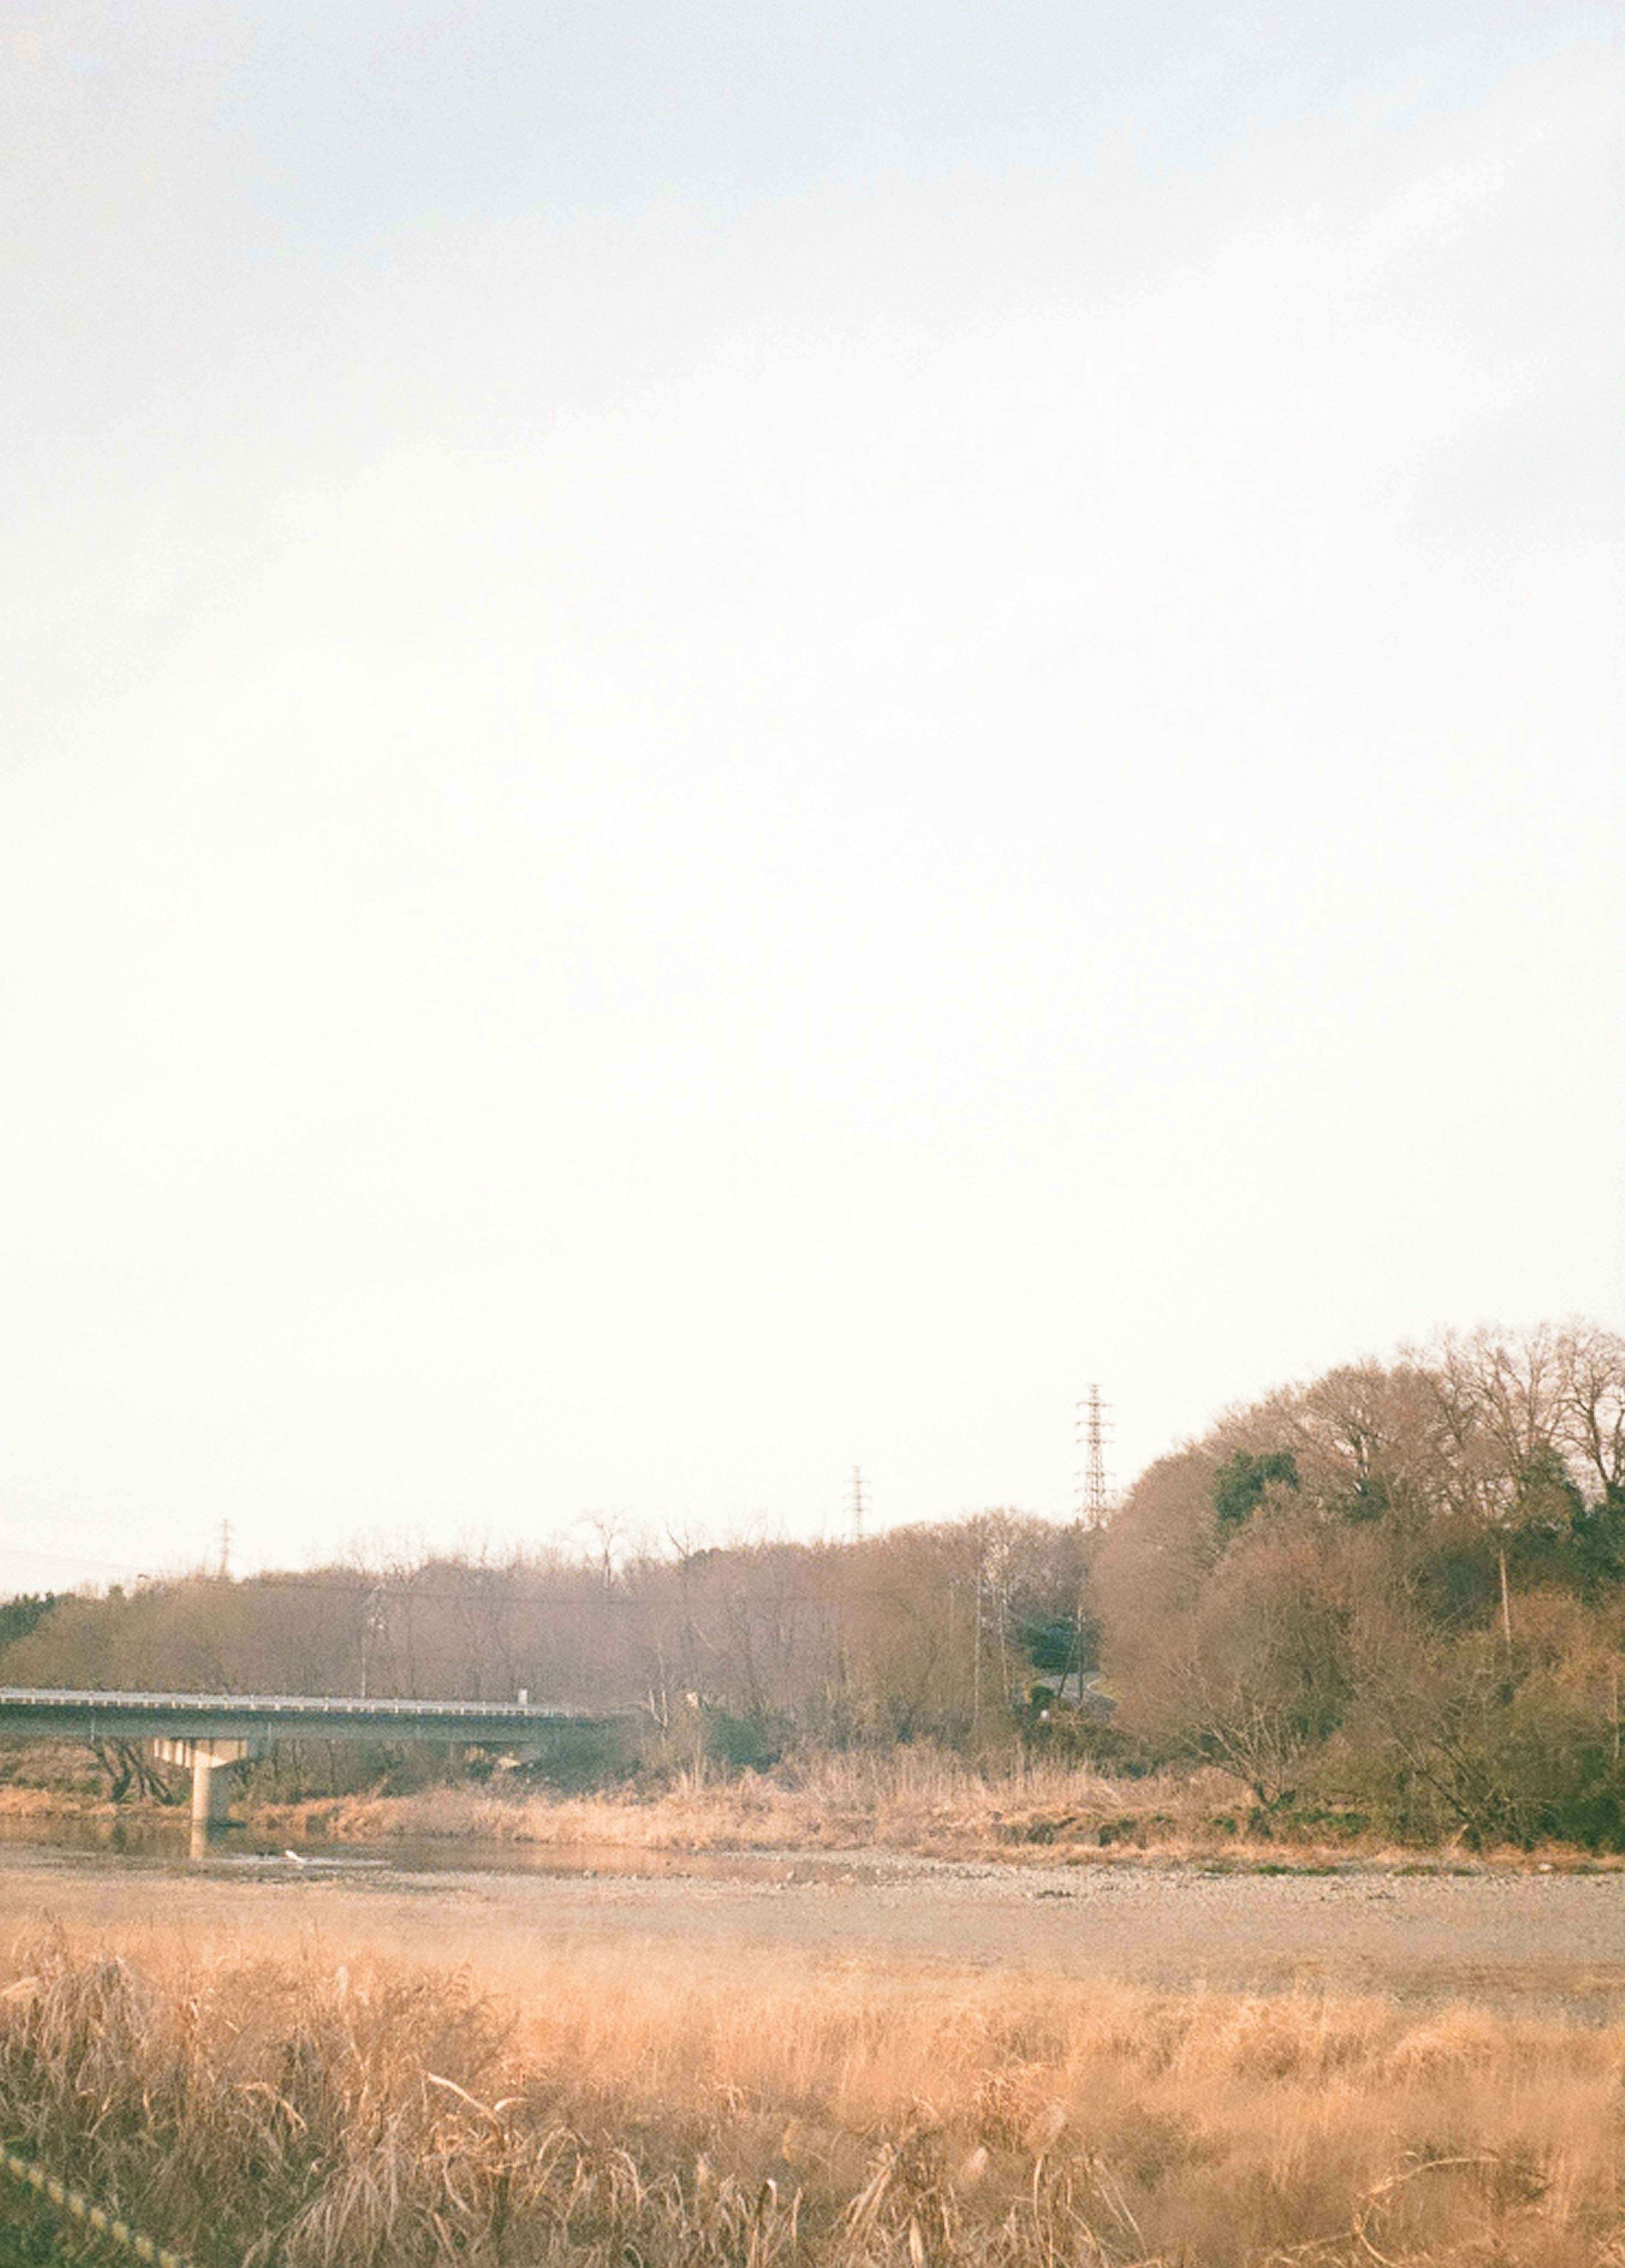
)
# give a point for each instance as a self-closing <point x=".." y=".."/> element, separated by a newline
<point x="1399" y="1589"/>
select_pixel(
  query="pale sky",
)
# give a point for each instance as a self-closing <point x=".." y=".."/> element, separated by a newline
<point x="738" y="737"/>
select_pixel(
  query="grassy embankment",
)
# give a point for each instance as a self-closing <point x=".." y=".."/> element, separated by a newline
<point x="254" y="2100"/>
<point x="918" y="1801"/>
<point x="908" y="1800"/>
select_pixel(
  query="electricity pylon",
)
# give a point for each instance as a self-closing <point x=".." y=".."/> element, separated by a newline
<point x="1094" y="1494"/>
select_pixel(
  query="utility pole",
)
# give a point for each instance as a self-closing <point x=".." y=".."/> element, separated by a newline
<point x="1092" y="1426"/>
<point x="225" y="1550"/>
<point x="373" y="1620"/>
<point x="855" y="1504"/>
<point x="976" y="1654"/>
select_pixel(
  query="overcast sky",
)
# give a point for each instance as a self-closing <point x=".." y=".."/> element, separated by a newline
<point x="739" y="736"/>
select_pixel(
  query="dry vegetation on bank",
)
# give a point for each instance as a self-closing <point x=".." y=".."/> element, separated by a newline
<point x="920" y="1802"/>
<point x="258" y="2103"/>
<point x="909" y="1802"/>
<point x="913" y="1802"/>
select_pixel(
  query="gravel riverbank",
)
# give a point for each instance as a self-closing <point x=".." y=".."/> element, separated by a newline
<point x="1515" y="1939"/>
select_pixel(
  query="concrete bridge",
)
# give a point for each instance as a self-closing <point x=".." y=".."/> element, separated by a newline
<point x="208" y="1732"/>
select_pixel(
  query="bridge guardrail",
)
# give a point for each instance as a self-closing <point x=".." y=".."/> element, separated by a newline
<point x="297" y="1704"/>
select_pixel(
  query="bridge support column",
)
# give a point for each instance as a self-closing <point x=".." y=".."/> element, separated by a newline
<point x="210" y="1762"/>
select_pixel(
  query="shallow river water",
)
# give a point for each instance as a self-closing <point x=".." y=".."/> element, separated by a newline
<point x="148" y="1843"/>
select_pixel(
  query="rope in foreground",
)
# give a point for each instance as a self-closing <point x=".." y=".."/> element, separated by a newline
<point x="94" y="2216"/>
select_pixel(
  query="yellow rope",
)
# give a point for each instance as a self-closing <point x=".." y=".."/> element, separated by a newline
<point x="93" y="2216"/>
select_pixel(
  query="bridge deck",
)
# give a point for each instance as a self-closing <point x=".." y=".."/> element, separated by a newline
<point x="93" y="1715"/>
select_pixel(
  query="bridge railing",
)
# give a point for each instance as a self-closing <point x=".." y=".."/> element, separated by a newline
<point x="289" y="1704"/>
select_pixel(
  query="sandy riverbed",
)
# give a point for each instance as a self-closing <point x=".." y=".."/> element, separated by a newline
<point x="1539" y="1942"/>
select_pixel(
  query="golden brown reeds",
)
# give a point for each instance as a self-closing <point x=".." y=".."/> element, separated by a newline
<point x="917" y="1799"/>
<point x="679" y="2108"/>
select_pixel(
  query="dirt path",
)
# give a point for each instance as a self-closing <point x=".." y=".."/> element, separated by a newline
<point x="1513" y="1940"/>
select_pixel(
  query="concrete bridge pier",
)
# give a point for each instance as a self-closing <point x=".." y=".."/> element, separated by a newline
<point x="209" y="1763"/>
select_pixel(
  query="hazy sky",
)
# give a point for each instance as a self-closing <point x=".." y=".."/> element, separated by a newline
<point x="739" y="736"/>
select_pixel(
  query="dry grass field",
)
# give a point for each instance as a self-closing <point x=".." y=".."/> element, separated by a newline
<point x="266" y="2093"/>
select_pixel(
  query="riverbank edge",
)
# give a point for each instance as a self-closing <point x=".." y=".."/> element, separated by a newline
<point x="740" y="1820"/>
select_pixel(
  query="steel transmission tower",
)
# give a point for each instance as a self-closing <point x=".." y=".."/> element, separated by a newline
<point x="1094" y="1493"/>
<point x="856" y="1503"/>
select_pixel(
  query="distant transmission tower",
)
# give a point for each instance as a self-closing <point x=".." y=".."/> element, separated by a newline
<point x="855" y="1505"/>
<point x="1094" y="1494"/>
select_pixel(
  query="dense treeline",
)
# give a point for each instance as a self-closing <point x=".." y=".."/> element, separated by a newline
<point x="1399" y="1590"/>
<point x="926" y="1634"/>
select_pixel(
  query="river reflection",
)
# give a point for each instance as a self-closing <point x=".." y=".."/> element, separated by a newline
<point x="158" y="1843"/>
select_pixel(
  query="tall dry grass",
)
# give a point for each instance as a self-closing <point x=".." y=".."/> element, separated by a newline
<point x="273" y="2106"/>
<point x="916" y="1800"/>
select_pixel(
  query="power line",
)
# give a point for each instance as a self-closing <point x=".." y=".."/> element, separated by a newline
<point x="97" y="1566"/>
